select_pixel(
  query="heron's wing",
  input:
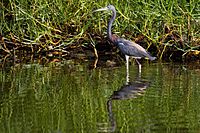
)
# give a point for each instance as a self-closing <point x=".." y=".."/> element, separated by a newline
<point x="131" y="48"/>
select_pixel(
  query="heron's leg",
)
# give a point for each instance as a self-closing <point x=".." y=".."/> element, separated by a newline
<point x="127" y="68"/>
<point x="139" y="65"/>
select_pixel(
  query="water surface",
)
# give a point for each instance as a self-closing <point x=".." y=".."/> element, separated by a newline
<point x="68" y="97"/>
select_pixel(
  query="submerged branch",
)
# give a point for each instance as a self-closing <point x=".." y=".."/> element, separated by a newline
<point x="95" y="51"/>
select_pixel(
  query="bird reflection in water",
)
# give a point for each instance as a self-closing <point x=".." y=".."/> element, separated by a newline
<point x="129" y="90"/>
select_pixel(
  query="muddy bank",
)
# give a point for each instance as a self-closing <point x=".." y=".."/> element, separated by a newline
<point x="14" y="51"/>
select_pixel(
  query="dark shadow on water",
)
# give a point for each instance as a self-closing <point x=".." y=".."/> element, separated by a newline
<point x="129" y="90"/>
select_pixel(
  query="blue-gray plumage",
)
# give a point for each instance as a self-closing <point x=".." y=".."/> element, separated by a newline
<point x="128" y="48"/>
<point x="132" y="49"/>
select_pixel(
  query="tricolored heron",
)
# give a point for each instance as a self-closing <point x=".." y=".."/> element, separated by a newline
<point x="128" y="48"/>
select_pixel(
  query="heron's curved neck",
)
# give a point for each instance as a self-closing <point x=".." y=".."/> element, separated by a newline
<point x="110" y="24"/>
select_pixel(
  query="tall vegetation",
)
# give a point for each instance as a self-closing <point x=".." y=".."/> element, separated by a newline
<point x="169" y="28"/>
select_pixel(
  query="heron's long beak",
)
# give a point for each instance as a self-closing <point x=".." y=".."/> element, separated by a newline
<point x="101" y="9"/>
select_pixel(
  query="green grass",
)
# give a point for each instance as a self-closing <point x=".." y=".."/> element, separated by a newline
<point x="165" y="26"/>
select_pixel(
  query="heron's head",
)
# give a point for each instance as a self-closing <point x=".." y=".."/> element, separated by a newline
<point x="109" y="7"/>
